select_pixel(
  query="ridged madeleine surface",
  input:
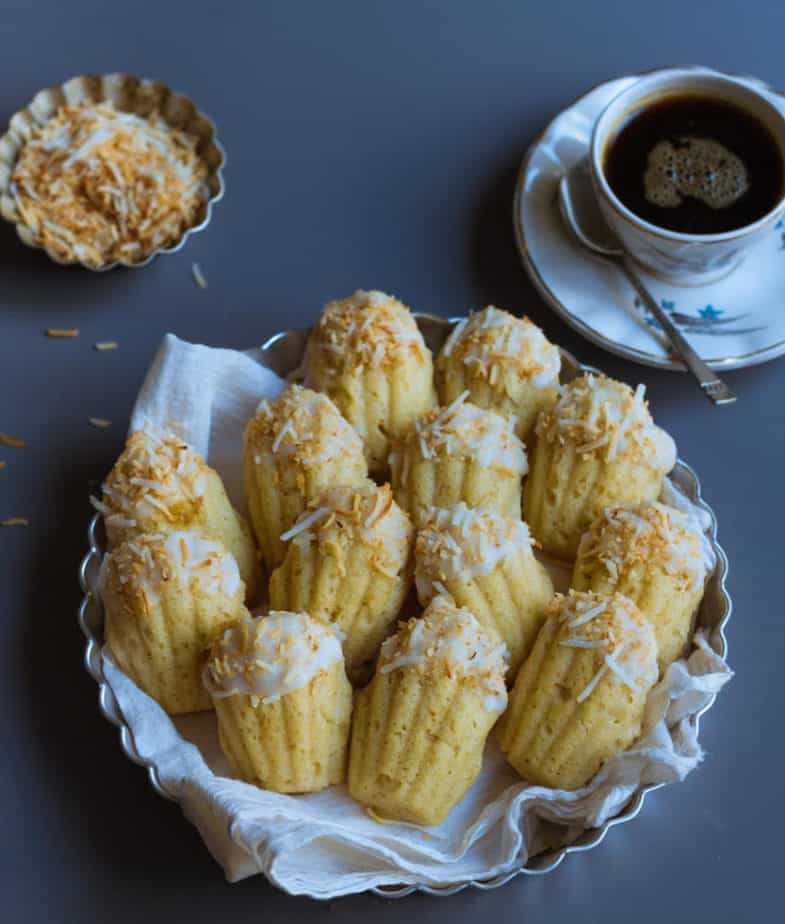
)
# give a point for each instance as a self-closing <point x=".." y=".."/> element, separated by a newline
<point x="297" y="743"/>
<point x="167" y="597"/>
<point x="296" y="447"/>
<point x="459" y="454"/>
<point x="350" y="563"/>
<point x="420" y="726"/>
<point x="505" y="363"/>
<point x="598" y="447"/>
<point x="485" y="562"/>
<point x="367" y="353"/>
<point x="580" y="696"/>
<point x="282" y="700"/>
<point x="656" y="556"/>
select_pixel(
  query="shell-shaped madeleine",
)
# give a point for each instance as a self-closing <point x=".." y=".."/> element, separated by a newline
<point x="505" y="363"/>
<point x="283" y="701"/>
<point x="367" y="353"/>
<point x="160" y="484"/>
<point x="658" y="557"/>
<point x="166" y="597"/>
<point x="486" y="563"/>
<point x="349" y="561"/>
<point x="580" y="696"/>
<point x="420" y="726"/>
<point x="456" y="454"/>
<point x="295" y="448"/>
<point x="597" y="447"/>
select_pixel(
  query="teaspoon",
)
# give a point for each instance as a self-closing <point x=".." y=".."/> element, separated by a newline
<point x="585" y="221"/>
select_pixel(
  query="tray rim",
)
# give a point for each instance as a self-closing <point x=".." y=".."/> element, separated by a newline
<point x="548" y="860"/>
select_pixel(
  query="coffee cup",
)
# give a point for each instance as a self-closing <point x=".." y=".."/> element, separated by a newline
<point x="680" y="256"/>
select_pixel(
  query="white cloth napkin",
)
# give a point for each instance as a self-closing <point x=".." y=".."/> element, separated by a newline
<point x="324" y="845"/>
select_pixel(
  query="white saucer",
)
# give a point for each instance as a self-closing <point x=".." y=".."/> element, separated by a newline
<point x="734" y="322"/>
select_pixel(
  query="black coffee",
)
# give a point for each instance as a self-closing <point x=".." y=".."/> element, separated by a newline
<point x="695" y="165"/>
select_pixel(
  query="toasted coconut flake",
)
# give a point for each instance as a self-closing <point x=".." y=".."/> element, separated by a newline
<point x="62" y="332"/>
<point x="652" y="536"/>
<point x="100" y="422"/>
<point x="10" y="441"/>
<point x="455" y="333"/>
<point x="2" y="465"/>
<point x="461" y="543"/>
<point x="463" y="428"/>
<point x="601" y="415"/>
<point x="103" y="345"/>
<point x="15" y="521"/>
<point x="449" y="639"/>
<point x="97" y="185"/>
<point x="583" y="643"/>
<point x="368" y="329"/>
<point x="588" y="614"/>
<point x="379" y="819"/>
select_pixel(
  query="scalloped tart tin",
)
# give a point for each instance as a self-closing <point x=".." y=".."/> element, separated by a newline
<point x="127" y="94"/>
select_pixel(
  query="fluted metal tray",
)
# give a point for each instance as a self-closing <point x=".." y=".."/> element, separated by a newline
<point x="283" y="353"/>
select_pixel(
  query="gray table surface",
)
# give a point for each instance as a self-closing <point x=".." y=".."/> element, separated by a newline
<point x="369" y="145"/>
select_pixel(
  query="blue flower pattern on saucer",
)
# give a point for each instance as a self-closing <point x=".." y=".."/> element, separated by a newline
<point x="707" y="320"/>
<point x="710" y="313"/>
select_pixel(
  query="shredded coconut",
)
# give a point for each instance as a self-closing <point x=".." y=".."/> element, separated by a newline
<point x="344" y="517"/>
<point x="151" y="479"/>
<point x="368" y="329"/>
<point x="186" y="556"/>
<point x="601" y="415"/>
<point x="464" y="429"/>
<point x="449" y="639"/>
<point x="651" y="534"/>
<point x="613" y="631"/>
<point x="304" y="427"/>
<point x="461" y="543"/>
<point x="97" y="185"/>
<point x="271" y="656"/>
<point x="493" y="342"/>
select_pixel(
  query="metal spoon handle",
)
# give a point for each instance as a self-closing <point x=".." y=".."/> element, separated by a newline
<point x="711" y="384"/>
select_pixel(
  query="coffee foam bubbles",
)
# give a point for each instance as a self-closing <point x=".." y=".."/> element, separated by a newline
<point x="698" y="167"/>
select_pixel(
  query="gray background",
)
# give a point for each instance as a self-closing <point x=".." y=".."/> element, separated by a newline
<point x="369" y="145"/>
